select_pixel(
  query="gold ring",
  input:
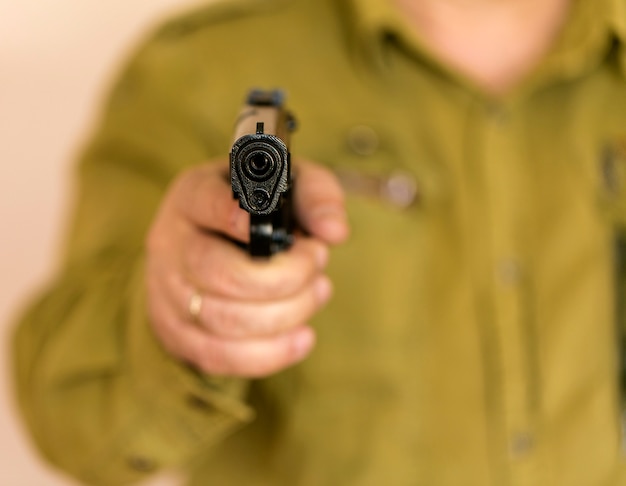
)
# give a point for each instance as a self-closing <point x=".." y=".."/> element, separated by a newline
<point x="195" y="306"/>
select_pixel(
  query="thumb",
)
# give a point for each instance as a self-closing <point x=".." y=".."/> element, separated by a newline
<point x="320" y="203"/>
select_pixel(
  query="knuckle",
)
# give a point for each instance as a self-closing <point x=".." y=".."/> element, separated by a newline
<point x="155" y="239"/>
<point x="292" y="281"/>
<point x="287" y="280"/>
<point x="237" y="279"/>
<point x="273" y="286"/>
<point x="268" y="320"/>
<point x="226" y="279"/>
<point x="204" y="258"/>
<point x="224" y="318"/>
<point x="241" y="320"/>
<point x="196" y="253"/>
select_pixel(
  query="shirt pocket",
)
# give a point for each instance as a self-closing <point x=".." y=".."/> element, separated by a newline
<point x="401" y="222"/>
<point x="611" y="184"/>
<point x="376" y="167"/>
<point x="611" y="180"/>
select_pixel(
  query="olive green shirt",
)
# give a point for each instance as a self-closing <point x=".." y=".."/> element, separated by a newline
<point x="473" y="337"/>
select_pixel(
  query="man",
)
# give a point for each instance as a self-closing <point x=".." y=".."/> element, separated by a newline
<point x="471" y="338"/>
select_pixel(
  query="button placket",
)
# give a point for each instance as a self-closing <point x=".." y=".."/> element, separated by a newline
<point x="141" y="464"/>
<point x="508" y="271"/>
<point x="505" y="183"/>
<point x="521" y="445"/>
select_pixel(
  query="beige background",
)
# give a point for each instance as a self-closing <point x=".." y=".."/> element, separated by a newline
<point x="56" y="57"/>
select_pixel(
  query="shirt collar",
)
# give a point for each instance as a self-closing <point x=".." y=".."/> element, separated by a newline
<point x="617" y="19"/>
<point x="371" y="23"/>
<point x="587" y="40"/>
<point x="593" y="29"/>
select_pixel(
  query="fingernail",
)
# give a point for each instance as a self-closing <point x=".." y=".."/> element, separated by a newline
<point x="303" y="342"/>
<point x="323" y="289"/>
<point x="322" y="256"/>
<point x="332" y="221"/>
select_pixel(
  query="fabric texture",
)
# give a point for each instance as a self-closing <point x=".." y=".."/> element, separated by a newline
<point x="472" y="337"/>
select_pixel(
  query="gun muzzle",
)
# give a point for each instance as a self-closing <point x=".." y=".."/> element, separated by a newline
<point x="260" y="170"/>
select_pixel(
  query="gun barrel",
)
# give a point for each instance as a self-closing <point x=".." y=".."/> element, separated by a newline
<point x="260" y="169"/>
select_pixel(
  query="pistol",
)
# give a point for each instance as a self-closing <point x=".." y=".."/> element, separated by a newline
<point x="260" y="170"/>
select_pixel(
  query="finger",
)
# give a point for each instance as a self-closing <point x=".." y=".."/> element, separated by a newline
<point x="251" y="358"/>
<point x="237" y="320"/>
<point x="215" y="266"/>
<point x="205" y="199"/>
<point x="320" y="203"/>
<point x="218" y="356"/>
<point x="243" y="320"/>
<point x="174" y="291"/>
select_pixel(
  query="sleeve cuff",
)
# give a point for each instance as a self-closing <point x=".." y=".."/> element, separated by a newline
<point x="179" y="411"/>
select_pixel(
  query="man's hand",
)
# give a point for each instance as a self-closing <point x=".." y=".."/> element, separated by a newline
<point x="252" y="318"/>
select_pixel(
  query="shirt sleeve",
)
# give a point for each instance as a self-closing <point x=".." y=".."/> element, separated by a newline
<point x="620" y="304"/>
<point x="101" y="398"/>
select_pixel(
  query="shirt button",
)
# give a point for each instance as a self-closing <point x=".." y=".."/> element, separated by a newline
<point x="508" y="271"/>
<point x="521" y="445"/>
<point x="400" y="189"/>
<point x="363" y="140"/>
<point x="198" y="403"/>
<point x="497" y="113"/>
<point x="141" y="464"/>
<point x="624" y="434"/>
<point x="612" y="168"/>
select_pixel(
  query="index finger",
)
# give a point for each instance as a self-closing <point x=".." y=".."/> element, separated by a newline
<point x="219" y="267"/>
<point x="205" y="199"/>
<point x="320" y="203"/>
